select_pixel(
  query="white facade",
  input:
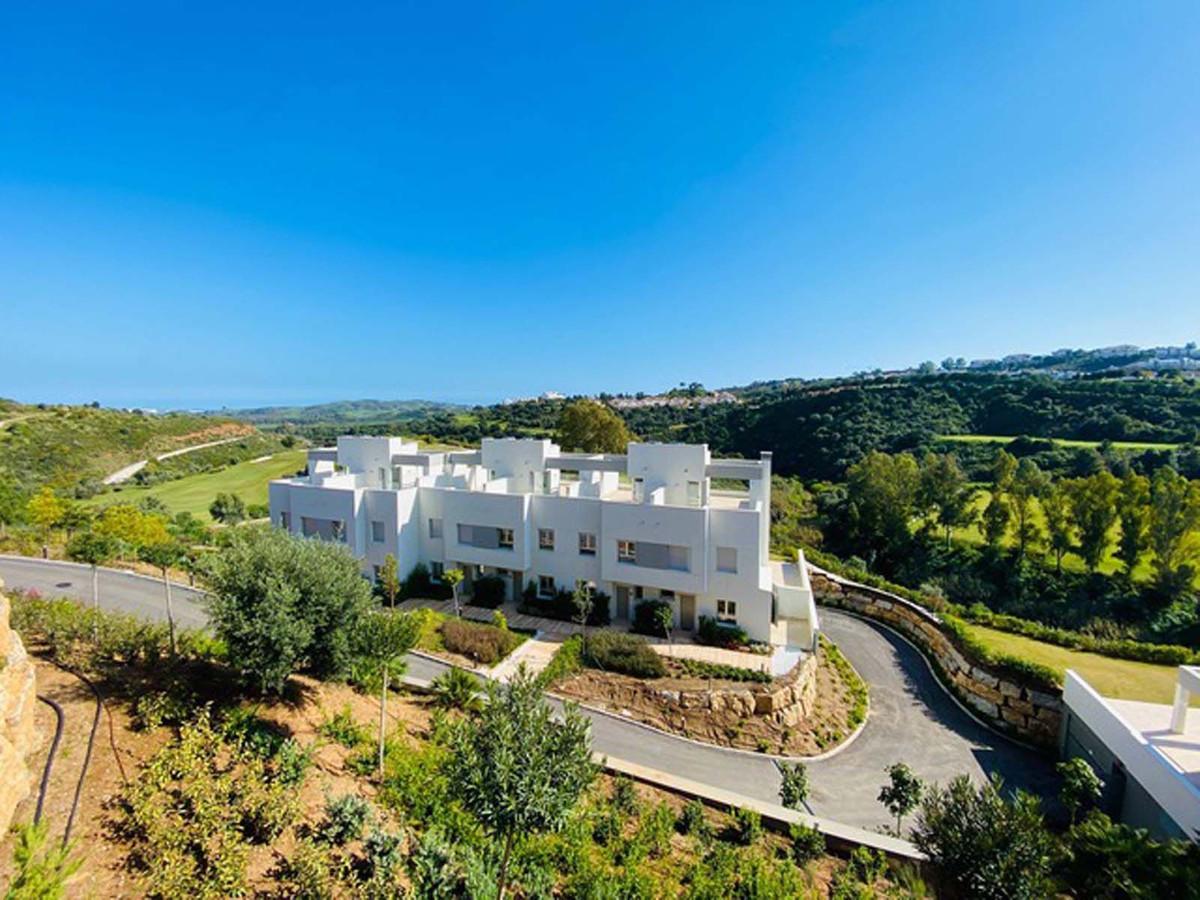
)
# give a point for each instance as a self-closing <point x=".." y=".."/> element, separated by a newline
<point x="646" y="525"/>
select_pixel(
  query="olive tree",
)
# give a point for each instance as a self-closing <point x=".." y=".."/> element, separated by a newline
<point x="902" y="793"/>
<point x="793" y="789"/>
<point x="164" y="555"/>
<point x="518" y="768"/>
<point x="380" y="642"/>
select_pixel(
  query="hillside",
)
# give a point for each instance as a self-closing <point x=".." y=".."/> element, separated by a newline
<point x="347" y="411"/>
<point x="72" y="448"/>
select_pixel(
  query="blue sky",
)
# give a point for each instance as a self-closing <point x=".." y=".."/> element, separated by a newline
<point x="212" y="204"/>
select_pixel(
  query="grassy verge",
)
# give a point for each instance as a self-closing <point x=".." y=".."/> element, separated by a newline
<point x="852" y="680"/>
<point x="1061" y="442"/>
<point x="1121" y="678"/>
<point x="195" y="493"/>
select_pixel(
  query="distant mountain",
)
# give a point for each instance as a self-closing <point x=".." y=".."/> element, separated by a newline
<point x="342" y="411"/>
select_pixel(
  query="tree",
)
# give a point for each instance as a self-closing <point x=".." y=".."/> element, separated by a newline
<point x="586" y="426"/>
<point x="280" y="602"/>
<point x="389" y="579"/>
<point x="793" y="789"/>
<point x="1094" y="506"/>
<point x="228" y="509"/>
<point x="12" y="507"/>
<point x="1028" y="484"/>
<point x="1174" y="521"/>
<point x="517" y="768"/>
<point x="583" y="601"/>
<point x="95" y="549"/>
<point x="1080" y="785"/>
<point x="944" y="491"/>
<point x="996" y="517"/>
<point x="380" y="642"/>
<point x="902" y="793"/>
<point x="45" y="511"/>
<point x="1133" y="506"/>
<point x="992" y="848"/>
<point x="454" y="577"/>
<point x="132" y="528"/>
<point x="664" y="617"/>
<point x="881" y="493"/>
<point x="1060" y="525"/>
<point x="75" y="516"/>
<point x="164" y="555"/>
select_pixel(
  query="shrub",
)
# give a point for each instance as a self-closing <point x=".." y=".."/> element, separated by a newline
<point x="719" y="634"/>
<point x="562" y="606"/>
<point x="808" y="844"/>
<point x="646" y="617"/>
<point x="308" y="873"/>
<point x="159" y="708"/>
<point x="499" y="620"/>
<point x="40" y="868"/>
<point x="381" y="850"/>
<point x="624" y="795"/>
<point x="457" y="689"/>
<point x="345" y="818"/>
<point x="419" y="583"/>
<point x="692" y="819"/>
<point x="850" y="678"/>
<point x="1107" y="859"/>
<point x="343" y="729"/>
<point x="746" y="826"/>
<point x="698" y="668"/>
<point x="624" y="653"/>
<point x="567" y="660"/>
<point x="866" y="865"/>
<point x="988" y="846"/>
<point x="793" y="789"/>
<point x="484" y="644"/>
<point x="488" y="591"/>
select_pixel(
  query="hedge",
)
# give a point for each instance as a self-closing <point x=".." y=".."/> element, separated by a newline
<point x="485" y="644"/>
<point x="1002" y="663"/>
<point x="562" y="606"/>
<point x="717" y="634"/>
<point x="700" y="669"/>
<point x="624" y="653"/>
<point x="488" y="592"/>
<point x="645" y="618"/>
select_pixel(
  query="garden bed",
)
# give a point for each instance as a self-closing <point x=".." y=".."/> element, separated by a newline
<point x="464" y="642"/>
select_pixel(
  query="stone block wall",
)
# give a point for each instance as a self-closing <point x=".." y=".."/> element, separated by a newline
<point x="18" y="736"/>
<point x="1031" y="714"/>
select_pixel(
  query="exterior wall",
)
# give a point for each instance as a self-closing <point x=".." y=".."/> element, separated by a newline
<point x="673" y="525"/>
<point x="1032" y="714"/>
<point x="567" y="517"/>
<point x="1143" y="789"/>
<point x="494" y="510"/>
<point x="671" y="467"/>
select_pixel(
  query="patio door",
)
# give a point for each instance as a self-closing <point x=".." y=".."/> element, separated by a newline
<point x="687" y="612"/>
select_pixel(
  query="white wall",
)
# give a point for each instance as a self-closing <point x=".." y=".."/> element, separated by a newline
<point x="658" y="524"/>
<point x="670" y="466"/>
<point x="568" y="517"/>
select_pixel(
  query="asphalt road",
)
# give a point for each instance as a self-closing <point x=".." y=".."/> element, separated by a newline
<point x="912" y="719"/>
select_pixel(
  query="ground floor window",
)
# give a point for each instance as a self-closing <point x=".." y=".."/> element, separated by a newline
<point x="436" y="570"/>
<point x="726" y="611"/>
<point x="546" y="585"/>
<point x="375" y="572"/>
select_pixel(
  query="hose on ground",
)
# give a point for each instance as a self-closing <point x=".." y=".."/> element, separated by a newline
<point x="60" y="718"/>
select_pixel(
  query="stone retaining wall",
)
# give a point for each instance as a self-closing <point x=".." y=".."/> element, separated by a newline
<point x="1029" y="714"/>
<point x="18" y="737"/>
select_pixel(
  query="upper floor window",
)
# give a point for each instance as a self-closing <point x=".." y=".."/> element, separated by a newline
<point x="626" y="551"/>
<point x="639" y="490"/>
<point x="377" y="532"/>
<point x="653" y="555"/>
<point x="587" y="543"/>
<point x="545" y="538"/>
<point x="727" y="559"/>
<point x="505" y="538"/>
<point x="435" y="528"/>
<point x="338" y="530"/>
<point x="693" y="493"/>
<point x="726" y="611"/>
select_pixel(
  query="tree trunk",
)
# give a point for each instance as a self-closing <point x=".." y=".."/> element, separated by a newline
<point x="503" y="880"/>
<point x="170" y="611"/>
<point x="383" y="717"/>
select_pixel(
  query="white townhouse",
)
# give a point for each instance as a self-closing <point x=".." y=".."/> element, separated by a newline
<point x="645" y="525"/>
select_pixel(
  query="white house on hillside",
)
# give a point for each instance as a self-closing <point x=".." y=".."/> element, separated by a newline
<point x="644" y="525"/>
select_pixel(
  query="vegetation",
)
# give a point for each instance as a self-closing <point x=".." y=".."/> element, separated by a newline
<point x="850" y="678"/>
<point x="483" y="644"/>
<point x="281" y="604"/>
<point x="622" y="653"/>
<point x="793" y="788"/>
<point x="586" y="426"/>
<point x="41" y="870"/>
<point x="562" y="606"/>
<point x="902" y="793"/>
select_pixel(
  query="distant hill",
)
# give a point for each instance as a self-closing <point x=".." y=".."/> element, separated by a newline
<point x="342" y="411"/>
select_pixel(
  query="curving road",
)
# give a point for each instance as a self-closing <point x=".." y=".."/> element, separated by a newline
<point x="912" y="719"/>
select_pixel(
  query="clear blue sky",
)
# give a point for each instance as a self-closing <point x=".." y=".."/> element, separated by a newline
<point x="208" y="204"/>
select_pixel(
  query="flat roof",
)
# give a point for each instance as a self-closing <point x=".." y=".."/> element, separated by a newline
<point x="1153" y="722"/>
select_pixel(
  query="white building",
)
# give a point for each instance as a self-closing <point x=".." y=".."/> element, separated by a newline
<point x="1147" y="754"/>
<point x="644" y="525"/>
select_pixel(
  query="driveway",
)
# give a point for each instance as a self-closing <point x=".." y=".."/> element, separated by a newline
<point x="912" y="719"/>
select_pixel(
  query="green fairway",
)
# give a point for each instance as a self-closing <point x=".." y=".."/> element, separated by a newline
<point x="194" y="494"/>
<point x="1062" y="442"/>
<point x="1120" y="678"/>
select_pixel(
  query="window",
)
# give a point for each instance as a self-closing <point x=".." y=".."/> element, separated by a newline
<point x="727" y="559"/>
<point x="587" y="543"/>
<point x="693" y="493"/>
<point x="383" y="478"/>
<point x="375" y="572"/>
<point x="546" y="585"/>
<point x="505" y="538"/>
<point x="436" y="570"/>
<point x="626" y="551"/>
<point x="654" y="556"/>
<point x="666" y="595"/>
<point x="308" y="527"/>
<point x="377" y="532"/>
<point x="545" y="538"/>
<point x="639" y="489"/>
<point x="726" y="611"/>
<point x="435" y="528"/>
<point x="338" y="530"/>
<point x="285" y="521"/>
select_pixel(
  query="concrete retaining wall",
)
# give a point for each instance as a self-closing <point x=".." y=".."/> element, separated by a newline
<point x="1028" y="713"/>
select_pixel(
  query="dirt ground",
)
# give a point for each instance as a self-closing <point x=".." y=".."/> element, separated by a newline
<point x="823" y="729"/>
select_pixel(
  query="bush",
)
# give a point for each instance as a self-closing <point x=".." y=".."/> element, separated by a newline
<point x="567" y="660"/>
<point x="746" y="827"/>
<point x="793" y="789"/>
<point x="562" y="606"/>
<point x="857" y="687"/>
<point x="456" y="689"/>
<point x="420" y="583"/>
<point x="718" y="634"/>
<point x="40" y="867"/>
<point x="1107" y="859"/>
<point x="343" y="729"/>
<point x="623" y="653"/>
<point x="488" y="591"/>
<point x="646" y="617"/>
<point x="693" y="821"/>
<point x="381" y="850"/>
<point x="808" y="844"/>
<point x="485" y="644"/>
<point x="624" y="795"/>
<point x="698" y="668"/>
<point x="345" y="818"/>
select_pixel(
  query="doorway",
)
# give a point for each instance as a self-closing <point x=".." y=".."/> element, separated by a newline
<point x="687" y="612"/>
<point x="622" y="602"/>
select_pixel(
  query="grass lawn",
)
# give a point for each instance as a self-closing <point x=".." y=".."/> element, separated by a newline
<point x="1120" y="678"/>
<point x="194" y="493"/>
<point x="1062" y="442"/>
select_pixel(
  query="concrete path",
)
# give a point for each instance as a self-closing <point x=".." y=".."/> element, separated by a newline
<point x="912" y="719"/>
<point x="126" y="472"/>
